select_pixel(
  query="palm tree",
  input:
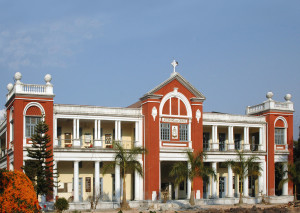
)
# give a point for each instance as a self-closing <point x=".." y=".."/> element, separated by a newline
<point x="293" y="175"/>
<point x="244" y="166"/>
<point x="195" y="168"/>
<point x="127" y="160"/>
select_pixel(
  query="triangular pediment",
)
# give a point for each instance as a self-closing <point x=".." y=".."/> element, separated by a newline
<point x="176" y="76"/>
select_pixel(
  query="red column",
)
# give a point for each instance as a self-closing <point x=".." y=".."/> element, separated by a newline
<point x="151" y="137"/>
<point x="197" y="139"/>
<point x="18" y="134"/>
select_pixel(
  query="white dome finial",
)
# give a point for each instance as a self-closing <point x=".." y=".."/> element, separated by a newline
<point x="269" y="95"/>
<point x="18" y="77"/>
<point x="48" y="78"/>
<point x="9" y="87"/>
<point x="288" y="97"/>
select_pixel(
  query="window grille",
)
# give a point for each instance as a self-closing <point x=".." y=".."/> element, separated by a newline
<point x="31" y="122"/>
<point x="237" y="141"/>
<point x="206" y="141"/>
<point x="279" y="136"/>
<point x="165" y="131"/>
<point x="183" y="132"/>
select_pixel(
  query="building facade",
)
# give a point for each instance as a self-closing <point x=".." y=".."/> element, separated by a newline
<point x="167" y="121"/>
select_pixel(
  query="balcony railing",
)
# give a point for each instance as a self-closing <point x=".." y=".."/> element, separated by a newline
<point x="221" y="147"/>
<point x="91" y="144"/>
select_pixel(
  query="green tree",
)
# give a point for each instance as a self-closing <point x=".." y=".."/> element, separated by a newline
<point x="194" y="167"/>
<point x="126" y="159"/>
<point x="40" y="168"/>
<point x="244" y="166"/>
<point x="293" y="175"/>
<point x="293" y="170"/>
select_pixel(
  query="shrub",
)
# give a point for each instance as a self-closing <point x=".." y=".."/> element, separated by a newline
<point x="61" y="204"/>
<point x="17" y="193"/>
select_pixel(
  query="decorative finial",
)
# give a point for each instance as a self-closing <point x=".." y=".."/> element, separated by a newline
<point x="48" y="78"/>
<point x="288" y="97"/>
<point x="9" y="87"/>
<point x="174" y="64"/>
<point x="269" y="95"/>
<point x="18" y="77"/>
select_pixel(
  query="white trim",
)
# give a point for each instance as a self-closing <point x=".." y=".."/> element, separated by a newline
<point x="283" y="119"/>
<point x="150" y="102"/>
<point x="173" y="144"/>
<point x="196" y="104"/>
<point x="33" y="99"/>
<point x="178" y="95"/>
<point x="103" y="118"/>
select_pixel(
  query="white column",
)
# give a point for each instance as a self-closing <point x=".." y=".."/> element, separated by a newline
<point x="95" y="130"/>
<point x="246" y="138"/>
<point x="141" y="181"/>
<point x="246" y="186"/>
<point x="215" y="144"/>
<point x="76" y="181"/>
<point x="55" y="131"/>
<point x="264" y="178"/>
<point x="97" y="179"/>
<point x="137" y="139"/>
<point x="213" y="182"/>
<point x="119" y="131"/>
<point x="230" y="184"/>
<point x="188" y="184"/>
<point x="74" y="128"/>
<point x="55" y="180"/>
<point x="97" y="140"/>
<point x="77" y="129"/>
<point x="236" y="183"/>
<point x="116" y="130"/>
<point x="176" y="192"/>
<point x="260" y="180"/>
<point x="260" y="147"/>
<point x="117" y="183"/>
<point x="285" y="186"/>
<point x="76" y="140"/>
<point x="99" y="130"/>
<point x="230" y="138"/>
<point x="137" y="186"/>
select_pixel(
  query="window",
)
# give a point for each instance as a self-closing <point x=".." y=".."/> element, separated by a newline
<point x="237" y="141"/>
<point x="279" y="136"/>
<point x="222" y="138"/>
<point x="206" y="141"/>
<point x="165" y="131"/>
<point x="183" y="132"/>
<point x="87" y="184"/>
<point x="31" y="122"/>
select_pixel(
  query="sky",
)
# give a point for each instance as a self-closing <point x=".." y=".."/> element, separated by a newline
<point x="110" y="53"/>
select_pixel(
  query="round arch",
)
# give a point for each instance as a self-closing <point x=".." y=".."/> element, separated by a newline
<point x="282" y="119"/>
<point x="176" y="94"/>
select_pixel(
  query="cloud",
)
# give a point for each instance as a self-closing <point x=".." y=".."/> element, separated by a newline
<point x="46" y="44"/>
<point x="2" y="114"/>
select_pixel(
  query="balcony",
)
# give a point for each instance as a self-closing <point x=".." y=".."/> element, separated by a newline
<point x="91" y="144"/>
<point x="223" y="147"/>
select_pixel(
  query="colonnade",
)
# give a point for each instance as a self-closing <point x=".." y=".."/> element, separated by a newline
<point x="138" y="188"/>
<point x="97" y="132"/>
<point x="215" y="142"/>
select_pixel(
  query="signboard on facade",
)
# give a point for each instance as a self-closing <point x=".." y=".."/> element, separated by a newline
<point x="174" y="132"/>
<point x="174" y="120"/>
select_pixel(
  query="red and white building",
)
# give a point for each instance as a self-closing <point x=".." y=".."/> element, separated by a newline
<point x="167" y="121"/>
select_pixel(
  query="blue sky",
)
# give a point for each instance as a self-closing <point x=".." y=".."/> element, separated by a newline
<point x="109" y="53"/>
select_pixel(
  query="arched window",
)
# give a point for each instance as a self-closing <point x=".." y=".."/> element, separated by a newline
<point x="280" y="131"/>
<point x="33" y="114"/>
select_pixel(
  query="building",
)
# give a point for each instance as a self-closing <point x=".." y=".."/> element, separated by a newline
<point x="167" y="121"/>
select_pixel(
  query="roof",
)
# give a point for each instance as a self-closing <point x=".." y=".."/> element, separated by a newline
<point x="183" y="81"/>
